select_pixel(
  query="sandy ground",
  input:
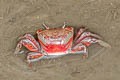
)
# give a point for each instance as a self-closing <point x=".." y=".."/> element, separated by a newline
<point x="26" y="16"/>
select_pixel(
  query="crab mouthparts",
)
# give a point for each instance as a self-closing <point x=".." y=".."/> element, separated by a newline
<point x="55" y="42"/>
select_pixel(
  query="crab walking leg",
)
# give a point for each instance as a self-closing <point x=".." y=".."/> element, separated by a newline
<point x="80" y="49"/>
<point x="34" y="56"/>
<point x="95" y="36"/>
<point x="92" y="40"/>
<point x="87" y="38"/>
<point x="80" y="31"/>
<point x="103" y="43"/>
<point x="29" y="42"/>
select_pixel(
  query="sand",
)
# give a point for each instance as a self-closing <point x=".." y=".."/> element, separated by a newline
<point x="18" y="17"/>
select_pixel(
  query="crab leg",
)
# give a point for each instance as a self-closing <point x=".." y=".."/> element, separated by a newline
<point x="80" y="49"/>
<point x="34" y="56"/>
<point x="103" y="43"/>
<point x="87" y="38"/>
<point x="80" y="31"/>
<point x="29" y="42"/>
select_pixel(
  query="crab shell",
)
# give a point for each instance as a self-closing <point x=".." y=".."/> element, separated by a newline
<point x="56" y="41"/>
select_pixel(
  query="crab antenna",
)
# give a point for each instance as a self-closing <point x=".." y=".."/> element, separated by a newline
<point x="45" y="26"/>
<point x="63" y="25"/>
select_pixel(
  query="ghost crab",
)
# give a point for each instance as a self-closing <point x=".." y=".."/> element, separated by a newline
<point x="56" y="42"/>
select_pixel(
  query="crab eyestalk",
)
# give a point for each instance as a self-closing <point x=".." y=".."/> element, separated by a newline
<point x="64" y="25"/>
<point x="45" y="26"/>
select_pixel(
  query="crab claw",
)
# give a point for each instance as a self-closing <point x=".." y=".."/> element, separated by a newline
<point x="29" y="42"/>
<point x="18" y="47"/>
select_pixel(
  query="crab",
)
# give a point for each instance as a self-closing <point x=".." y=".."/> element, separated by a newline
<point x="57" y="42"/>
